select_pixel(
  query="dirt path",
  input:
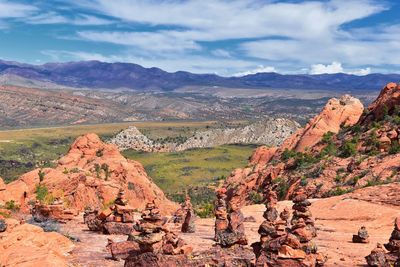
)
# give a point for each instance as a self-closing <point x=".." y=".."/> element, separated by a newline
<point x="337" y="219"/>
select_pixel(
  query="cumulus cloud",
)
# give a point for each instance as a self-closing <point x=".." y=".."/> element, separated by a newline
<point x="259" y="69"/>
<point x="9" y="9"/>
<point x="336" y="67"/>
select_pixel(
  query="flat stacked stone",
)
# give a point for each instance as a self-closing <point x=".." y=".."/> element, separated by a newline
<point x="188" y="225"/>
<point x="280" y="245"/>
<point x="361" y="236"/>
<point x="379" y="257"/>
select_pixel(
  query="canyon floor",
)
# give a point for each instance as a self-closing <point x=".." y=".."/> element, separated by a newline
<point x="337" y="219"/>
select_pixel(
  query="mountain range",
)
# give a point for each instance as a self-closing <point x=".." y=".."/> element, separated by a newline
<point x="128" y="76"/>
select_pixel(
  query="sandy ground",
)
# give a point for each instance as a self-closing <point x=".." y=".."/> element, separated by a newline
<point x="337" y="219"/>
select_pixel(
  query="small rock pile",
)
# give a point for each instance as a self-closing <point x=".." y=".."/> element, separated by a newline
<point x="280" y="245"/>
<point x="379" y="257"/>
<point x="117" y="219"/>
<point x="362" y="236"/>
<point x="188" y="225"/>
<point x="154" y="237"/>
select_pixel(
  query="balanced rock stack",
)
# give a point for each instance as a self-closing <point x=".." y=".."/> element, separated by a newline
<point x="234" y="234"/>
<point x="188" y="225"/>
<point x="282" y="246"/>
<point x="154" y="238"/>
<point x="117" y="219"/>
<point x="302" y="222"/>
<point x="221" y="214"/>
<point x="362" y="236"/>
<point x="380" y="258"/>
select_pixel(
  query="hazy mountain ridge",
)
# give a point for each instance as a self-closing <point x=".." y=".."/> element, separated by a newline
<point x="96" y="75"/>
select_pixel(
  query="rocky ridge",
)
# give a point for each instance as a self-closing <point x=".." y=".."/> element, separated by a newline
<point x="269" y="132"/>
<point x="90" y="175"/>
<point x="342" y="148"/>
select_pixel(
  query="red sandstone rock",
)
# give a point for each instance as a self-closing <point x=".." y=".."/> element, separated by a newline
<point x="28" y="245"/>
<point x="91" y="174"/>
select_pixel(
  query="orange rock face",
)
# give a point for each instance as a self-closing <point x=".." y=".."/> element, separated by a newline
<point x="345" y="111"/>
<point x="28" y="245"/>
<point x="386" y="102"/>
<point x="90" y="175"/>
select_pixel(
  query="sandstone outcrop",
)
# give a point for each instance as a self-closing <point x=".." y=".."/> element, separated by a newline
<point x="339" y="150"/>
<point x="55" y="211"/>
<point x="90" y="175"/>
<point x="269" y="132"/>
<point x="28" y="245"/>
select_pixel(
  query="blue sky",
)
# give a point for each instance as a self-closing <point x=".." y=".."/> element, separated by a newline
<point x="227" y="37"/>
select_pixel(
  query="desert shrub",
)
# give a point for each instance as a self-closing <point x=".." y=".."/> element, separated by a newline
<point x="74" y="170"/>
<point x="43" y="194"/>
<point x="349" y="148"/>
<point x="11" y="205"/>
<point x="394" y="148"/>
<point x="255" y="197"/>
<point x="131" y="186"/>
<point x="100" y="153"/>
<point x="282" y="187"/>
<point x="41" y="175"/>
<point x="303" y="181"/>
<point x="338" y="191"/>
<point x="205" y="210"/>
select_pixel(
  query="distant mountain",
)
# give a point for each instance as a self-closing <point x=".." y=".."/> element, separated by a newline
<point x="96" y="75"/>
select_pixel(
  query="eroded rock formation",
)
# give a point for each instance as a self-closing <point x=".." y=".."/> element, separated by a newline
<point x="337" y="151"/>
<point x="90" y="175"/>
<point x="28" y="245"/>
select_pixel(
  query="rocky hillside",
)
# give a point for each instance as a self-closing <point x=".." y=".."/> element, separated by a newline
<point x="90" y="175"/>
<point x="342" y="148"/>
<point x="269" y="132"/>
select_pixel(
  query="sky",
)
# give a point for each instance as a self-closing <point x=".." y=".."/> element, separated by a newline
<point x="226" y="37"/>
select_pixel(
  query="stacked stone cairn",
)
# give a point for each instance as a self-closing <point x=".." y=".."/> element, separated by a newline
<point x="380" y="258"/>
<point x="281" y="245"/>
<point x="188" y="225"/>
<point x="229" y="227"/>
<point x="221" y="214"/>
<point x="117" y="219"/>
<point x="154" y="238"/>
<point x="362" y="236"/>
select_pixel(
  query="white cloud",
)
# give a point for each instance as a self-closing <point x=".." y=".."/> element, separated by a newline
<point x="336" y="67"/>
<point x="259" y="69"/>
<point x="150" y="41"/>
<point x="55" y="18"/>
<point x="9" y="9"/>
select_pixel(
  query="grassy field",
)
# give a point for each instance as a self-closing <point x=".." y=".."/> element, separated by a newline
<point x="25" y="149"/>
<point x="174" y="172"/>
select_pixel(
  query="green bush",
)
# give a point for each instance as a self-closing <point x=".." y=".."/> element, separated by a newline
<point x="205" y="210"/>
<point x="394" y="148"/>
<point x="11" y="205"/>
<point x="43" y="194"/>
<point x="349" y="148"/>
<point x="255" y="197"/>
<point x="41" y="175"/>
